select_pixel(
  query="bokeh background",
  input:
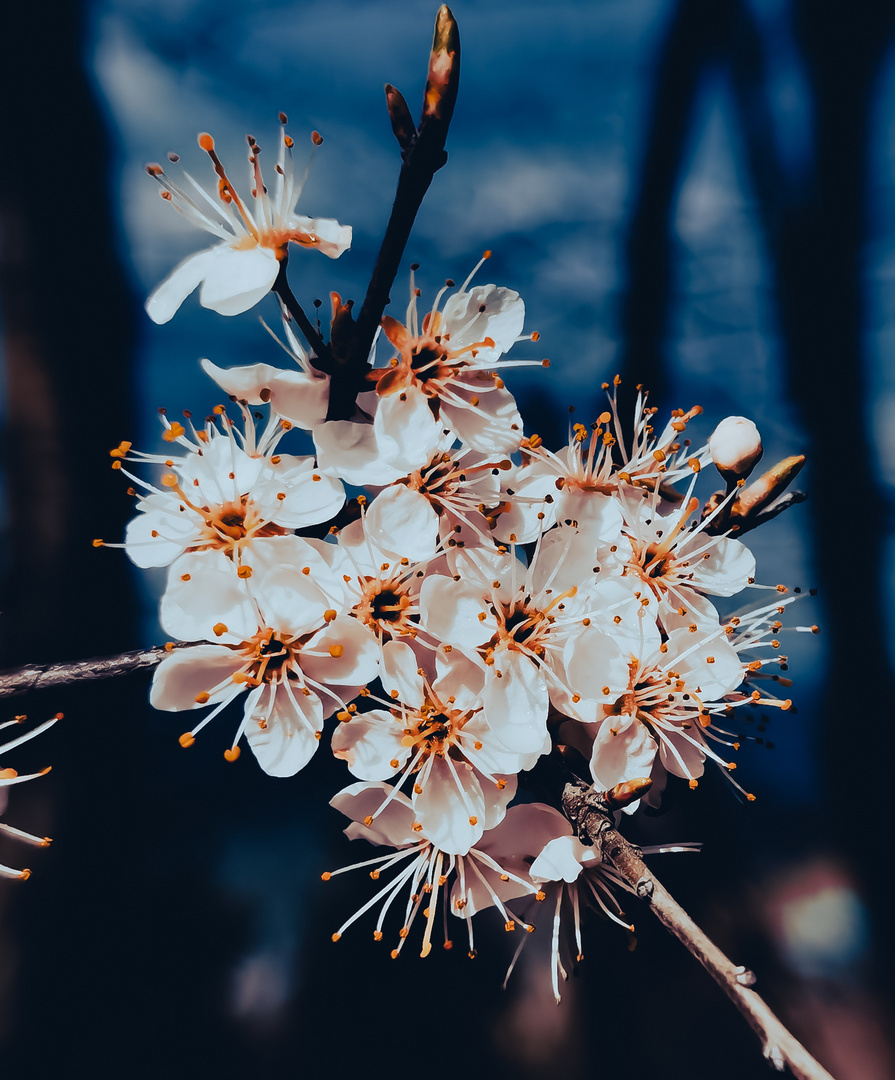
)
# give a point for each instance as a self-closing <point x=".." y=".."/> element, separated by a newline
<point x="696" y="194"/>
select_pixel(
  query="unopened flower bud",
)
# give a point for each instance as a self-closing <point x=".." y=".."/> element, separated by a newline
<point x="735" y="446"/>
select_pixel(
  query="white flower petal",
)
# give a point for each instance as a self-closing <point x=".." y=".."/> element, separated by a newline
<point x="167" y="297"/>
<point x="451" y="609"/>
<point x="407" y="433"/>
<point x="332" y="238"/>
<point x="460" y="678"/>
<point x="185" y="674"/>
<point x="445" y="813"/>
<point x="486" y="311"/>
<point x="497" y="799"/>
<point x="626" y="755"/>
<point x="297" y="396"/>
<point x="516" y="703"/>
<point x="246" y="382"/>
<point x="712" y="670"/>
<point x="558" y="861"/>
<point x="282" y="739"/>
<point x="494" y="426"/>
<point x="600" y="516"/>
<point x="350" y="451"/>
<point x="528" y="484"/>
<point x="212" y="469"/>
<point x="404" y="523"/>
<point x="393" y="826"/>
<point x="369" y="744"/>
<point x="686" y="760"/>
<point x="205" y="592"/>
<point x="400" y="673"/>
<point x="726" y="571"/>
<point x="302" y="399"/>
<point x="595" y="663"/>
<point x="160" y="532"/>
<point x="237" y="279"/>
<point x="346" y="652"/>
<point x="311" y="496"/>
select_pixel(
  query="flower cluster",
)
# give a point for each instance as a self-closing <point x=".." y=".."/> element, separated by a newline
<point x="486" y="599"/>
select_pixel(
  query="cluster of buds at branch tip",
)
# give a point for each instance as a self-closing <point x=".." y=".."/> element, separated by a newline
<point x="442" y="84"/>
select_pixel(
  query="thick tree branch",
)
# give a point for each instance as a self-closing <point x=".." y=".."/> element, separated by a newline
<point x="590" y="813"/>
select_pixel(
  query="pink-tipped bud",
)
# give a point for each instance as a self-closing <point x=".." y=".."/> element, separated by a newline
<point x="735" y="446"/>
<point x="444" y="68"/>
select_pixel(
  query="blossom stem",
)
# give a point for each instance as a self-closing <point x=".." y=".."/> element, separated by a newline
<point x="43" y="676"/>
<point x="588" y="812"/>
<point x="321" y="359"/>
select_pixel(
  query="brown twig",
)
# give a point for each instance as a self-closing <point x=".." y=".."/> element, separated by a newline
<point x="590" y="813"/>
<point x="43" y="676"/>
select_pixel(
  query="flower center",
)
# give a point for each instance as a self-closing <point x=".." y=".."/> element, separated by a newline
<point x="271" y="656"/>
<point x="428" y="360"/>
<point x="386" y="607"/>
<point x="231" y="522"/>
<point x="434" y="730"/>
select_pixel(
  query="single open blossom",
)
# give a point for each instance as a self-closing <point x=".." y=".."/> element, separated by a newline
<point x="228" y="492"/>
<point x="9" y="777"/>
<point x="597" y="459"/>
<point x="451" y="494"/>
<point x="658" y="703"/>
<point x="678" y="560"/>
<point x="435" y="735"/>
<point x="445" y="372"/>
<point x="274" y="639"/>
<point x="235" y="274"/>
<point x="384" y="816"/>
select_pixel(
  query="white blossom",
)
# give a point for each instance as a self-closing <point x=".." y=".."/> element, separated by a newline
<point x="386" y="817"/>
<point x="445" y="371"/>
<point x="228" y="492"/>
<point x="237" y="273"/>
<point x="435" y="735"/>
<point x="275" y="639"/>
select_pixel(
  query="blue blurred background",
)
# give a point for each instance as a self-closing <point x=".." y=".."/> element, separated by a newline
<point x="697" y="194"/>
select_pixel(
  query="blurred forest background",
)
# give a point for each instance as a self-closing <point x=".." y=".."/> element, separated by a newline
<point x="697" y="194"/>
